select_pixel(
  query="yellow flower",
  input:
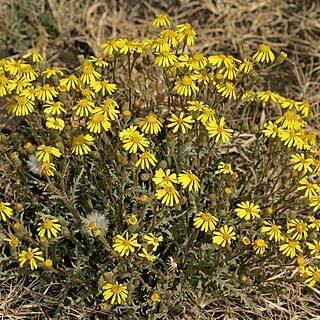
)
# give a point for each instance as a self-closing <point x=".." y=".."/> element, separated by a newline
<point x="207" y="114"/>
<point x="103" y="86"/>
<point x="147" y="255"/>
<point x="150" y="124"/>
<point x="168" y="194"/>
<point x="272" y="230"/>
<point x="161" y="20"/>
<point x="48" y="263"/>
<point x="46" y="93"/>
<point x="298" y="228"/>
<point x="189" y="179"/>
<point x="218" y="130"/>
<point x="34" y="55"/>
<point x="31" y="256"/>
<point x="259" y="246"/>
<point x="54" y="108"/>
<point x="304" y="107"/>
<point x="268" y="95"/>
<point x="196" y="105"/>
<point x="186" y="86"/>
<point x="88" y="73"/>
<point x="180" y="122"/>
<point x="314" y="247"/>
<point x="290" y="247"/>
<point x="313" y="276"/>
<point x="125" y="245"/>
<point x="223" y="236"/>
<point x="200" y="61"/>
<point x="108" y="107"/>
<point x="27" y="73"/>
<point x="126" y="46"/>
<point x="146" y="159"/>
<point x="186" y="61"/>
<point x="110" y="46"/>
<point x="12" y="240"/>
<point x="153" y="240"/>
<point x="221" y="59"/>
<point x="224" y="168"/>
<point x="170" y="37"/>
<point x="246" y="66"/>
<point x="315" y="223"/>
<point x="165" y="59"/>
<point x="17" y="85"/>
<point x="49" y="227"/>
<point x="264" y="54"/>
<point x="71" y="82"/>
<point x="155" y="298"/>
<point x="288" y="103"/>
<point x="99" y="62"/>
<point x="118" y="292"/>
<point x="97" y="122"/>
<point x="229" y="72"/>
<point x="55" y="123"/>
<point x="186" y="31"/>
<point x="164" y="178"/>
<point x="247" y="210"/>
<point x="5" y="211"/>
<point x="311" y="189"/>
<point x="206" y="221"/>
<point x="48" y="168"/>
<point x="54" y="71"/>
<point x="227" y="90"/>
<point x="21" y="106"/>
<point x="83" y="107"/>
<point x="133" y="140"/>
<point x="81" y="144"/>
<point x="301" y="163"/>
<point x="44" y="153"/>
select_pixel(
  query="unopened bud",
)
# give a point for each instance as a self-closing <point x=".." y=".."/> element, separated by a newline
<point x="3" y="138"/>
<point x="96" y="154"/>
<point x="29" y="147"/>
<point x="60" y="146"/>
<point x="18" y="207"/>
<point x="163" y="164"/>
<point x="145" y="176"/>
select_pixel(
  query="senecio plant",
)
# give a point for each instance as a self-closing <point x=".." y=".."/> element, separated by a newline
<point x="152" y="181"/>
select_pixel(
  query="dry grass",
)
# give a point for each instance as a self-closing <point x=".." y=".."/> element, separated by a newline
<point x="64" y="28"/>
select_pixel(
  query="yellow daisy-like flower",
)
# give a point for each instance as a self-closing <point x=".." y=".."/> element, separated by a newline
<point x="31" y="256"/>
<point x="97" y="122"/>
<point x="195" y="105"/>
<point x="148" y="256"/>
<point x="88" y="73"/>
<point x="200" y="61"/>
<point x="12" y="240"/>
<point x="17" y="85"/>
<point x="314" y="223"/>
<point x="221" y="60"/>
<point x="49" y="227"/>
<point x="268" y="95"/>
<point x="164" y="177"/>
<point x="298" y="228"/>
<point x="311" y="189"/>
<point x="44" y="153"/>
<point x="34" y="55"/>
<point x="247" y="210"/>
<point x="227" y="90"/>
<point x="290" y="248"/>
<point x="103" y="86"/>
<point x="55" y="123"/>
<point x="71" y="82"/>
<point x="313" y="275"/>
<point x="224" y="236"/>
<point x="206" y="221"/>
<point x="48" y="168"/>
<point x="133" y="140"/>
<point x="217" y="130"/>
<point x="109" y="108"/>
<point x="314" y="247"/>
<point x="186" y="61"/>
<point x="170" y="37"/>
<point x="180" y="122"/>
<point x="161" y="20"/>
<point x="146" y="159"/>
<point x="110" y="46"/>
<point x="46" y="93"/>
<point x="81" y="144"/>
<point x="26" y="72"/>
<point x="272" y="230"/>
<point x="155" y="298"/>
<point x="271" y="129"/>
<point x="185" y="31"/>
<point x="54" y="71"/>
<point x="301" y="163"/>
<point x="264" y="54"/>
<point x="304" y="107"/>
<point x="54" y="108"/>
<point x="186" y="87"/>
<point x="168" y="194"/>
<point x="207" y="114"/>
<point x="150" y="124"/>
<point x="129" y="46"/>
<point x="259" y="246"/>
<point x="246" y="66"/>
<point x="291" y="138"/>
<point x="5" y="211"/>
<point x="189" y="179"/>
<point x="117" y="292"/>
<point x="153" y="240"/>
<point x="165" y="59"/>
<point x="224" y="168"/>
<point x="125" y="245"/>
<point x="83" y="107"/>
<point x="21" y="106"/>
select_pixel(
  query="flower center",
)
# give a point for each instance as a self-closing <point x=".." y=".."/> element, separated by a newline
<point x="78" y="141"/>
<point x="126" y="243"/>
<point x="274" y="228"/>
<point x="47" y="149"/>
<point x="300" y="227"/>
<point x="187" y="81"/>
<point x="116" y="289"/>
<point x="207" y="216"/>
<point x="226" y="237"/>
<point x="193" y="177"/>
<point x="46" y="87"/>
<point x="260" y="243"/>
<point x="97" y="118"/>
<point x="151" y="118"/>
<point x="265" y="48"/>
<point x="249" y="210"/>
<point x="292" y="244"/>
<point x="47" y="224"/>
<point x="29" y="255"/>
<point x="229" y="86"/>
<point x="170" y="190"/>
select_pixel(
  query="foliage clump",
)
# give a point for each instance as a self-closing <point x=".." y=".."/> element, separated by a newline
<point x="155" y="176"/>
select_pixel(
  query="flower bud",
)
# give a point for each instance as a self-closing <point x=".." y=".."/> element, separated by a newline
<point x="47" y="263"/>
<point x="126" y="115"/>
<point x="183" y="200"/>
<point x="18" y="207"/>
<point x="60" y="146"/>
<point x="29" y="147"/>
<point x="145" y="176"/>
<point x="3" y="138"/>
<point x="163" y="164"/>
<point x="96" y="154"/>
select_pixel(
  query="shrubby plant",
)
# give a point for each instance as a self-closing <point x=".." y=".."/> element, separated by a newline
<point x="155" y="180"/>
